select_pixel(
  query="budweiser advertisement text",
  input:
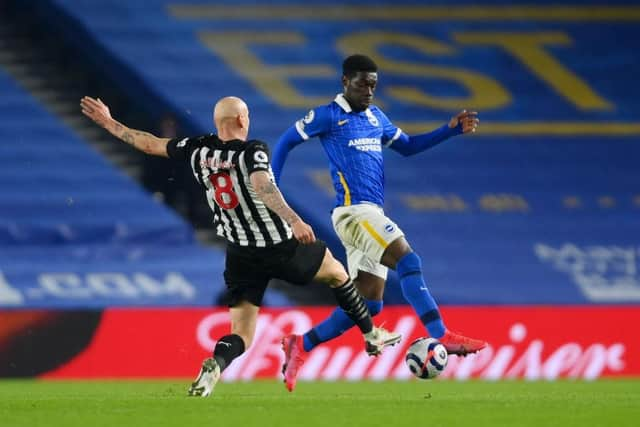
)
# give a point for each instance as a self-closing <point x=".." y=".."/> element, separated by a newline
<point x="525" y="342"/>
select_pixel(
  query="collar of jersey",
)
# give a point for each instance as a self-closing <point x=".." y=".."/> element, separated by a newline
<point x="234" y="144"/>
<point x="344" y="104"/>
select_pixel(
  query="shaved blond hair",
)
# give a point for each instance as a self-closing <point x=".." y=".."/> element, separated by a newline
<point x="229" y="107"/>
<point x="231" y="117"/>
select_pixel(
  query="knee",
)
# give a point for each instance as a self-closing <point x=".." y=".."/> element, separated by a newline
<point x="409" y="264"/>
<point x="334" y="273"/>
<point x="338" y="275"/>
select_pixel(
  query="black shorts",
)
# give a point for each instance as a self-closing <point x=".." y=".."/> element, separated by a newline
<point x="249" y="269"/>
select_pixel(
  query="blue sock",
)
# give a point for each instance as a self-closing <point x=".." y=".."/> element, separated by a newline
<point x="334" y="325"/>
<point x="416" y="293"/>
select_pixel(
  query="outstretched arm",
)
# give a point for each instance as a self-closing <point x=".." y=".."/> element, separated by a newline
<point x="463" y="122"/>
<point x="271" y="196"/>
<point x="97" y="111"/>
<point x="286" y="143"/>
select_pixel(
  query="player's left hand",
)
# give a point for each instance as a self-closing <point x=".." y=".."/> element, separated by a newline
<point x="468" y="120"/>
<point x="96" y="110"/>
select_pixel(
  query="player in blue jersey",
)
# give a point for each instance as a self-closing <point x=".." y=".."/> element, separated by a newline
<point x="353" y="133"/>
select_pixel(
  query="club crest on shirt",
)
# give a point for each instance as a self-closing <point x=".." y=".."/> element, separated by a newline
<point x="389" y="228"/>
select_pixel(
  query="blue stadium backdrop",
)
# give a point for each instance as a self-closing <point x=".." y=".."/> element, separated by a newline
<point x="540" y="207"/>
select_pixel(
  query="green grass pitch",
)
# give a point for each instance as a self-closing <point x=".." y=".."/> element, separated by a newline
<point x="333" y="404"/>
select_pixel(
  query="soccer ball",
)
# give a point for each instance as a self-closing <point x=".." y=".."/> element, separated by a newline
<point x="426" y="358"/>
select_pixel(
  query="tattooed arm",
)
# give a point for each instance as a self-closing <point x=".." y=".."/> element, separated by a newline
<point x="271" y="196"/>
<point x="97" y="111"/>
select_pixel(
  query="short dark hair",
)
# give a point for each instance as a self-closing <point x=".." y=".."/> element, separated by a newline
<point x="355" y="63"/>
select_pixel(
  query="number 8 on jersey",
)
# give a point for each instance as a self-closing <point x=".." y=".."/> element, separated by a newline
<point x="224" y="195"/>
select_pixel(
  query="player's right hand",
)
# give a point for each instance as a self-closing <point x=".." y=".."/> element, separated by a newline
<point x="96" y="110"/>
<point x="467" y="121"/>
<point x="303" y="232"/>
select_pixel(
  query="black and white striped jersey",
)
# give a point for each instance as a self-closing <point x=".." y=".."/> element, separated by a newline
<point x="223" y="169"/>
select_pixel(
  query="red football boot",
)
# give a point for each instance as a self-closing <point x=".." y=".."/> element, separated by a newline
<point x="460" y="345"/>
<point x="294" y="357"/>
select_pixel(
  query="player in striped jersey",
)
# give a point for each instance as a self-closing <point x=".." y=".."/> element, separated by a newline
<point x="266" y="238"/>
<point x="353" y="133"/>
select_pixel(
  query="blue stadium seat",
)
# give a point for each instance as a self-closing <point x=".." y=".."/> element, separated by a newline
<point x="536" y="216"/>
<point x="76" y="233"/>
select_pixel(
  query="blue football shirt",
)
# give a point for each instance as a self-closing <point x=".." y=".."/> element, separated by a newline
<point x="353" y="142"/>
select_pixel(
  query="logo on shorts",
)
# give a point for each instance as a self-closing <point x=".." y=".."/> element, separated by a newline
<point x="389" y="228"/>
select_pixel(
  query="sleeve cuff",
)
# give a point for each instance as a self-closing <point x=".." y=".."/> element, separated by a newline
<point x="300" y="129"/>
<point x="395" y="138"/>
